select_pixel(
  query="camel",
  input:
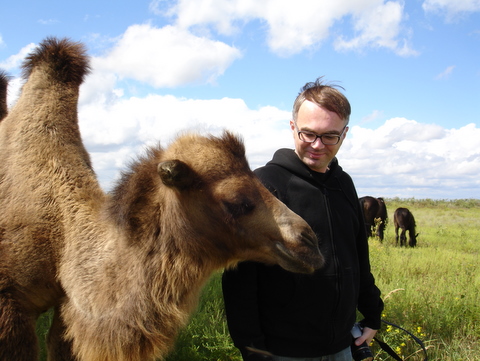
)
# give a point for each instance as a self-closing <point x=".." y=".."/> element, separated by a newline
<point x="122" y="270"/>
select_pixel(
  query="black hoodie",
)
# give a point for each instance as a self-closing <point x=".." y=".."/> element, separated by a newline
<point x="296" y="315"/>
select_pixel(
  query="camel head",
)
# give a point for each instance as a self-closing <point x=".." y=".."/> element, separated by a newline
<point x="240" y="219"/>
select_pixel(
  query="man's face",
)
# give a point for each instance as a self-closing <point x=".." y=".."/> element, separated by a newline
<point x="314" y="119"/>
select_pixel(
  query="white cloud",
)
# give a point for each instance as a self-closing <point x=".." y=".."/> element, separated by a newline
<point x="12" y="66"/>
<point x="378" y="27"/>
<point x="409" y="159"/>
<point x="401" y="158"/>
<point x="48" y="21"/>
<point x="14" y="61"/>
<point x="451" y="8"/>
<point x="13" y="90"/>
<point x="115" y="131"/>
<point x="376" y="114"/>
<point x="166" y="57"/>
<point x="296" y="26"/>
<point x="222" y="14"/>
<point x="446" y="73"/>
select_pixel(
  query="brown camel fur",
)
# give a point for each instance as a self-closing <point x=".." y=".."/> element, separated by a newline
<point x="123" y="270"/>
<point x="3" y="94"/>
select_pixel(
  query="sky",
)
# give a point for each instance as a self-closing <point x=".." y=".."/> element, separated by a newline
<point x="410" y="69"/>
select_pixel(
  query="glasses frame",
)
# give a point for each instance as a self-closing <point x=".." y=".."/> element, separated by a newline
<point x="300" y="134"/>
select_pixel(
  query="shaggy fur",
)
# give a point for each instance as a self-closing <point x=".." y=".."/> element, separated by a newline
<point x="3" y="94"/>
<point x="123" y="271"/>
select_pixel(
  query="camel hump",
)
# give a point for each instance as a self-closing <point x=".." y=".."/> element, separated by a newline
<point x="3" y="94"/>
<point x="64" y="60"/>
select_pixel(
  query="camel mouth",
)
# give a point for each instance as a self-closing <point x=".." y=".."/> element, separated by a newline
<point x="298" y="264"/>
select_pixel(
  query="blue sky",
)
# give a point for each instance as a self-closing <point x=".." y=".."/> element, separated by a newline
<point x="411" y="71"/>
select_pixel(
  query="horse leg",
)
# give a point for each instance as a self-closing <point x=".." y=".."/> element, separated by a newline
<point x="18" y="340"/>
<point x="380" y="229"/>
<point x="396" y="235"/>
<point x="403" y="238"/>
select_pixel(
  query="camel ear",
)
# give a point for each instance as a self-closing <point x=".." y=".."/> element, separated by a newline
<point x="175" y="173"/>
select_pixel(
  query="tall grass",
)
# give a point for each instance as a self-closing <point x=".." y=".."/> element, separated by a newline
<point x="206" y="338"/>
<point x="432" y="290"/>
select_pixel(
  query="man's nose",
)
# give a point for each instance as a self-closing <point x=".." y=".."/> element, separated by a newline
<point x="318" y="144"/>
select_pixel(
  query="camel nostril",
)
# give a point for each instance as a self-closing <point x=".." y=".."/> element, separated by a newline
<point x="309" y="239"/>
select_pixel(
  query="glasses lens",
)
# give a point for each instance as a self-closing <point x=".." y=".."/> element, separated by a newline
<point x="327" y="139"/>
<point x="330" y="139"/>
<point x="307" y="137"/>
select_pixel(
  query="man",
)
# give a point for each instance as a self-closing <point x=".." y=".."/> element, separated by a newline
<point x="309" y="317"/>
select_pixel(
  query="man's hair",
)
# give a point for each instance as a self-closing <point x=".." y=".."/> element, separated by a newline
<point x="325" y="95"/>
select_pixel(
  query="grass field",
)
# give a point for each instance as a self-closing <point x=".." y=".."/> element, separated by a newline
<point x="432" y="290"/>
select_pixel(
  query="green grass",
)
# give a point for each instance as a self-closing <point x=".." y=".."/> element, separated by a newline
<point x="432" y="290"/>
<point x="206" y="338"/>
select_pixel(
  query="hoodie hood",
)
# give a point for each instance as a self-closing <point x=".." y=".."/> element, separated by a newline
<point x="288" y="159"/>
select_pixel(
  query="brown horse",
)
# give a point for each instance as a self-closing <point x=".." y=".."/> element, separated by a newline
<point x="375" y="215"/>
<point x="403" y="219"/>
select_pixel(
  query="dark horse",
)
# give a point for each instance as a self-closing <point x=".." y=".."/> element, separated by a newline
<point x="374" y="211"/>
<point x="403" y="219"/>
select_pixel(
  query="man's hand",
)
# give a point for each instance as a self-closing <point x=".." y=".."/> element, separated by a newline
<point x="367" y="336"/>
<point x="255" y="354"/>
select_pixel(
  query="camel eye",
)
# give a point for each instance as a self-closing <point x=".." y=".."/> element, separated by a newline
<point x="240" y="208"/>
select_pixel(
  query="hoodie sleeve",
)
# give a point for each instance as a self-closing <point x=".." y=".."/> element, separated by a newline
<point x="370" y="304"/>
<point x="239" y="287"/>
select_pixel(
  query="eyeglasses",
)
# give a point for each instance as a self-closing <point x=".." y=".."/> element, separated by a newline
<point x="327" y="139"/>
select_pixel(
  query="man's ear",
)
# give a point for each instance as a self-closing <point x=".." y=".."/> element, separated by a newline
<point x="292" y="125"/>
